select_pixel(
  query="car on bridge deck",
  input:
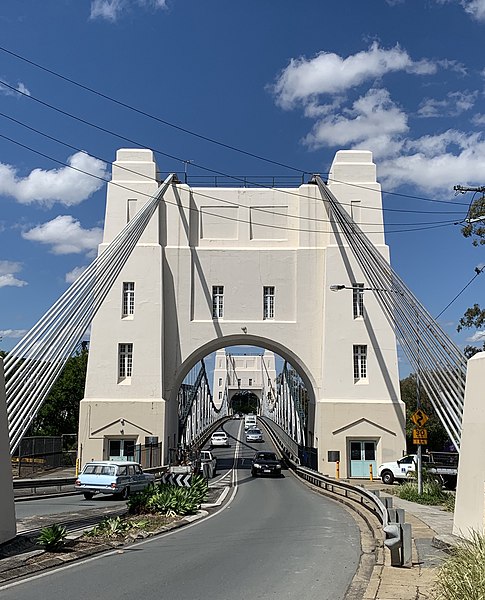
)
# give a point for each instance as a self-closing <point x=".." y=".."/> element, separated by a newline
<point x="266" y="463"/>
<point x="254" y="435"/>
<point x="118" y="478"/>
<point x="219" y="438"/>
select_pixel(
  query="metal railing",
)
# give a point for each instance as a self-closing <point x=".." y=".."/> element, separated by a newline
<point x="398" y="534"/>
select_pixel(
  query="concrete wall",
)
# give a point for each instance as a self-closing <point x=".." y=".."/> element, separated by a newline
<point x="8" y="526"/>
<point x="470" y="492"/>
<point x="244" y="239"/>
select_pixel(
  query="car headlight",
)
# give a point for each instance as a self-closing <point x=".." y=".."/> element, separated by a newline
<point x="278" y="466"/>
<point x="257" y="465"/>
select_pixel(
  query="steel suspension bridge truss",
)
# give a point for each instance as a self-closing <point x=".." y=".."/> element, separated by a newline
<point x="33" y="365"/>
<point x="196" y="407"/>
<point x="438" y="363"/>
<point x="288" y="407"/>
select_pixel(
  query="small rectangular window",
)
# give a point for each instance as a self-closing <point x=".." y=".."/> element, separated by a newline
<point x="125" y="360"/>
<point x="360" y="362"/>
<point x="268" y="302"/>
<point x="238" y="383"/>
<point x="220" y="380"/>
<point x="250" y="382"/>
<point x="358" y="299"/>
<point x="128" y="298"/>
<point x="217" y="301"/>
<point x="220" y="395"/>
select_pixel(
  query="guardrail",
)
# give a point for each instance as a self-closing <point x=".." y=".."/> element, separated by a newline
<point x="398" y="534"/>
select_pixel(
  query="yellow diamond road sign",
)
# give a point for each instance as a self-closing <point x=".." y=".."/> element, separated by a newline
<point x="419" y="418"/>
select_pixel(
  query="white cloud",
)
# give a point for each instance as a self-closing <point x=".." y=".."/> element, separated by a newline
<point x="68" y="186"/>
<point x="74" y="274"/>
<point x="13" y="333"/>
<point x="478" y="336"/>
<point x="328" y="73"/>
<point x="111" y="10"/>
<point x="478" y="119"/>
<point x="8" y="91"/>
<point x="475" y="8"/>
<point x="372" y="116"/>
<point x="437" y="163"/>
<point x="66" y="236"/>
<point x="8" y="269"/>
<point x="453" y="105"/>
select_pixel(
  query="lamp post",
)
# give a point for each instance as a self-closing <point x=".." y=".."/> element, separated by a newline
<point x="336" y="288"/>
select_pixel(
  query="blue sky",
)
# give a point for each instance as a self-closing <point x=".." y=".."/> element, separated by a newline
<point x="289" y="81"/>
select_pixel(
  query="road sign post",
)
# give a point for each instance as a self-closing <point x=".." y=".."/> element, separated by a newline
<point x="420" y="438"/>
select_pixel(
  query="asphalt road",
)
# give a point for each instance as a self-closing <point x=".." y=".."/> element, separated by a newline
<point x="273" y="539"/>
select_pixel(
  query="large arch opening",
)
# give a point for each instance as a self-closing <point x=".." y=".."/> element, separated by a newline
<point x="248" y="374"/>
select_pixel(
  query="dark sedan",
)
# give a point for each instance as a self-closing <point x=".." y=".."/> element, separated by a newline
<point x="266" y="463"/>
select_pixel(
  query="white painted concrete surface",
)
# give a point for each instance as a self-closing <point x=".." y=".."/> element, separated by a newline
<point x="8" y="527"/>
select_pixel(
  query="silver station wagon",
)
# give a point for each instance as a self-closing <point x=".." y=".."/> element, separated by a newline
<point x="119" y="478"/>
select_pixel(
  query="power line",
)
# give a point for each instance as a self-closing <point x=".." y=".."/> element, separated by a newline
<point x="478" y="271"/>
<point x="150" y="116"/>
<point x="57" y="140"/>
<point x="297" y="229"/>
<point x="185" y="130"/>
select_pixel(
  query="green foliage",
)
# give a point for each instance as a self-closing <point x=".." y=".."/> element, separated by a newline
<point x="437" y="437"/>
<point x="462" y="576"/>
<point x="476" y="230"/>
<point x="53" y="538"/>
<point x="169" y="500"/>
<point x="433" y="493"/>
<point x="110" y="527"/>
<point x="60" y="411"/>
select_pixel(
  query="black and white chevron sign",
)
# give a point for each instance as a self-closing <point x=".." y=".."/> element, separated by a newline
<point x="180" y="479"/>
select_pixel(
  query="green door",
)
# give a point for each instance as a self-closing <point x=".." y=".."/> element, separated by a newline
<point x="362" y="455"/>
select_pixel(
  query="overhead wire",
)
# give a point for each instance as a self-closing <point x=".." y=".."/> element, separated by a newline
<point x="214" y="171"/>
<point x="426" y="226"/>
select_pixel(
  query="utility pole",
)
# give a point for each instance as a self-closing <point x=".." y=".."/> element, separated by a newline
<point x="462" y="189"/>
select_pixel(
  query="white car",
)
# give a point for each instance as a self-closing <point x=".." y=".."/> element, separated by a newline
<point x="119" y="478"/>
<point x="254" y="435"/>
<point x="219" y="438"/>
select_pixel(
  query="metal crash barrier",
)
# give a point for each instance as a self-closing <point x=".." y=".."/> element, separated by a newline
<point x="398" y="534"/>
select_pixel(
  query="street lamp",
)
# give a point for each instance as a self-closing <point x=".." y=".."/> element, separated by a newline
<point x="336" y="287"/>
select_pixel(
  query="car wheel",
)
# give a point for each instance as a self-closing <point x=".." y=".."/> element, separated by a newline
<point x="387" y="477"/>
<point x="88" y="495"/>
<point x="123" y="495"/>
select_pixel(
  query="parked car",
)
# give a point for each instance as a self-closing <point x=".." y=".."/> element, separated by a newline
<point x="119" y="478"/>
<point x="207" y="458"/>
<point x="442" y="465"/>
<point x="254" y="435"/>
<point x="266" y="463"/>
<point x="219" y="438"/>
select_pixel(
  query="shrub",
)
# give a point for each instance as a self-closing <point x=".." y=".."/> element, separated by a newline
<point x="169" y="500"/>
<point x="53" y="538"/>
<point x="110" y="527"/>
<point x="462" y="576"/>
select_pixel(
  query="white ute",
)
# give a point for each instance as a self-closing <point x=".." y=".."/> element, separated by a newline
<point x="403" y="468"/>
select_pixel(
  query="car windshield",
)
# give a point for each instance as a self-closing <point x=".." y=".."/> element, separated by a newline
<point x="256" y="431"/>
<point x="218" y="435"/>
<point x="266" y="456"/>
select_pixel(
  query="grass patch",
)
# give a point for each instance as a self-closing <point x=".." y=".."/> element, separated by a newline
<point x="462" y="576"/>
<point x="433" y="494"/>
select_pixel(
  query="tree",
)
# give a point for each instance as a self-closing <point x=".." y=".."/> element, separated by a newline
<point x="474" y="317"/>
<point x="438" y="439"/>
<point x="60" y="412"/>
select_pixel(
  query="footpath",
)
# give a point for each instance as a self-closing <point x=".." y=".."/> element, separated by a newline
<point x="432" y="540"/>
